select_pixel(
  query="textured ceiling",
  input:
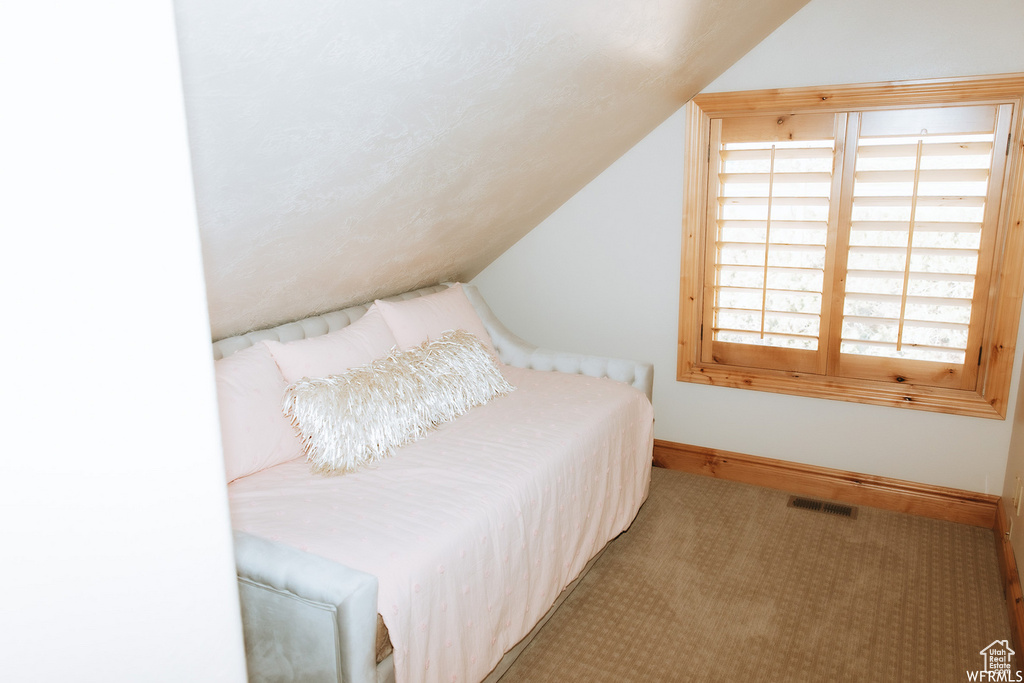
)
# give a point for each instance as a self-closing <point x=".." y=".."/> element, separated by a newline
<point x="345" y="150"/>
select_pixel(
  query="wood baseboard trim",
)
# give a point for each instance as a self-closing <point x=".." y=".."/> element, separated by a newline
<point x="936" y="502"/>
<point x="1010" y="576"/>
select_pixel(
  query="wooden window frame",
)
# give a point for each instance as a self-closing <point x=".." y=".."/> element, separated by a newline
<point x="1006" y="289"/>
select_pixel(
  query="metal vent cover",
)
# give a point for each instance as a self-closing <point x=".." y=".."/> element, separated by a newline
<point x="837" y="509"/>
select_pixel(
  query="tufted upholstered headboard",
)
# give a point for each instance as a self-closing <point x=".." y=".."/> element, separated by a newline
<point x="511" y="349"/>
<point x="308" y="327"/>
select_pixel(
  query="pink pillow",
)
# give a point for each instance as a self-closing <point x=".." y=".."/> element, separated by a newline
<point x="255" y="434"/>
<point x="365" y="340"/>
<point x="415" y="321"/>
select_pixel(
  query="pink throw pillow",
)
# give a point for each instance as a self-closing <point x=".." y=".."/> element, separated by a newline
<point x="362" y="342"/>
<point x="255" y="434"/>
<point x="415" y="321"/>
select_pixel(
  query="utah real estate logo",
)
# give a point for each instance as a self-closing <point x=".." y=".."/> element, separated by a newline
<point x="998" y="665"/>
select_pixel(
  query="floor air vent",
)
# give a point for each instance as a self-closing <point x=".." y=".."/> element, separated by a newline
<point x="822" y="506"/>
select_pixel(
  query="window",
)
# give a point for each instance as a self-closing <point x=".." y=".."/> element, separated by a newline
<point x="860" y="243"/>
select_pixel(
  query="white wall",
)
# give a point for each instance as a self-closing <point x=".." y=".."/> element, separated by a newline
<point x="837" y="41"/>
<point x="601" y="274"/>
<point x="114" y="536"/>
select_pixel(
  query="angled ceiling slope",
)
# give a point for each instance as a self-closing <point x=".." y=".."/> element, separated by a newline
<point x="348" y="150"/>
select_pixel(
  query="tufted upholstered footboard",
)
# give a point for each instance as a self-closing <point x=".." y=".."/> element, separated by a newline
<point x="306" y="618"/>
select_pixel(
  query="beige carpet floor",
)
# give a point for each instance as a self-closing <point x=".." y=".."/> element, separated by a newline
<point x="719" y="581"/>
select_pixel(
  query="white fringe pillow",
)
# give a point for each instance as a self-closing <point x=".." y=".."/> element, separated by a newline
<point x="361" y="416"/>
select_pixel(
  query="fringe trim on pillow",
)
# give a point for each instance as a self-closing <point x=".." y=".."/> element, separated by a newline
<point x="361" y="416"/>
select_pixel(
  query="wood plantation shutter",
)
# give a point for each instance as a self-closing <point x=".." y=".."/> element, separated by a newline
<point x="769" y="216"/>
<point x="920" y="243"/>
<point x="853" y="244"/>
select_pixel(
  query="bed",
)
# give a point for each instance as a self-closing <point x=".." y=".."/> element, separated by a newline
<point x="436" y="563"/>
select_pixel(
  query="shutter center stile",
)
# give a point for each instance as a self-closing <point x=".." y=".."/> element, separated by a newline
<point x="767" y="240"/>
<point x="910" y="245"/>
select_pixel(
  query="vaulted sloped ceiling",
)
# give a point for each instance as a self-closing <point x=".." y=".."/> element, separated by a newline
<point x="349" y="149"/>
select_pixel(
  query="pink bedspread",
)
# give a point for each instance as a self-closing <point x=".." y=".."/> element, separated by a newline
<point x="473" y="530"/>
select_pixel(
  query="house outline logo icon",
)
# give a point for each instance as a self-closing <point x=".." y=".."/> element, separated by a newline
<point x="998" y="666"/>
<point x="997" y="655"/>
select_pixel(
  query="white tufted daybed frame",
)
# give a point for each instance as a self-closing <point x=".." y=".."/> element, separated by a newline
<point x="511" y="349"/>
<point x="306" y="618"/>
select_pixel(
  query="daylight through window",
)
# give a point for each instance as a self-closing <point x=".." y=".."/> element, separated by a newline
<point x="866" y="253"/>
